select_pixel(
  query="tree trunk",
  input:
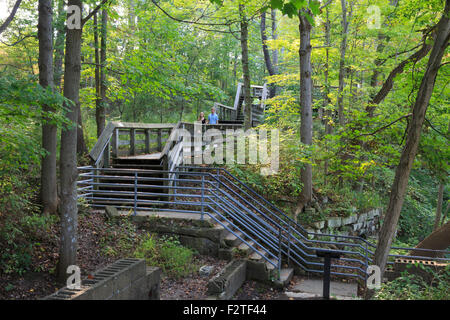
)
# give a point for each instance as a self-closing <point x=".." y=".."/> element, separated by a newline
<point x="81" y="144"/>
<point x="439" y="205"/>
<point x="305" y="103"/>
<point x="59" y="44"/>
<point x="271" y="64"/>
<point x="412" y="141"/>
<point x="98" y="99"/>
<point x="326" y="101"/>
<point x="273" y="14"/>
<point x="245" y="69"/>
<point x="340" y="97"/>
<point x="68" y="157"/>
<point x="49" y="194"/>
<point x="102" y="111"/>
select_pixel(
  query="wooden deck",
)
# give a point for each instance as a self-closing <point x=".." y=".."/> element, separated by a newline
<point x="152" y="156"/>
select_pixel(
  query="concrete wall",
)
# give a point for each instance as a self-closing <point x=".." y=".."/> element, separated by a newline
<point x="225" y="284"/>
<point x="125" y="279"/>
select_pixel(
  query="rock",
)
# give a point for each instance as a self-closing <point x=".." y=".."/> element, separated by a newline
<point x="310" y="211"/>
<point x="334" y="222"/>
<point x="362" y="217"/>
<point x="349" y="220"/>
<point x="357" y="226"/>
<point x="206" y="271"/>
<point x="111" y="211"/>
<point x="319" y="225"/>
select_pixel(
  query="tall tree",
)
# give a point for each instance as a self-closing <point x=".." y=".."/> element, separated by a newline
<point x="68" y="157"/>
<point x="245" y="68"/>
<point x="102" y="109"/>
<point x="305" y="100"/>
<point x="48" y="166"/>
<point x="271" y="64"/>
<point x="98" y="98"/>
<point x="414" y="129"/>
<point x="59" y="44"/>
<point x="342" y="69"/>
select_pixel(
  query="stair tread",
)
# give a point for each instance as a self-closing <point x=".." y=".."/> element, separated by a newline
<point x="257" y="256"/>
<point x="244" y="246"/>
<point x="271" y="266"/>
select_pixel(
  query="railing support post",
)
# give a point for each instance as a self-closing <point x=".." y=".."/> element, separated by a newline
<point x="135" y="192"/>
<point x="203" y="197"/>
<point x="327" y="255"/>
<point x="279" y="253"/>
<point x="289" y="244"/>
<point x="175" y="187"/>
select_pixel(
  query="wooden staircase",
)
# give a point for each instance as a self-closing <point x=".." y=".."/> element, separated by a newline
<point x="236" y="114"/>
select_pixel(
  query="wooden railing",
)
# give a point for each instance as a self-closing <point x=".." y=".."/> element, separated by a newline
<point x="230" y="113"/>
<point x="110" y="143"/>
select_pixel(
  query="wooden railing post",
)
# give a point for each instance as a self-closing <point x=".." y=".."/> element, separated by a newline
<point x="132" y="142"/>
<point x="107" y="156"/>
<point x="147" y="141"/>
<point x="115" y="143"/>
<point x="159" y="140"/>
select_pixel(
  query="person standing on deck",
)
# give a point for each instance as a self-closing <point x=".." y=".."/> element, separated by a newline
<point x="213" y="118"/>
<point x="201" y="118"/>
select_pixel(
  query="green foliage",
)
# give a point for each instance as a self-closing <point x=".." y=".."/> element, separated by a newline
<point x="414" y="287"/>
<point x="20" y="117"/>
<point x="167" y="253"/>
<point x="20" y="235"/>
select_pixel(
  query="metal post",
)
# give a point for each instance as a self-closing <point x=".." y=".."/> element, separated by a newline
<point x="218" y="178"/>
<point x="367" y="264"/>
<point x="327" y="255"/>
<point x="279" y="253"/>
<point x="203" y="196"/>
<point x="175" y="187"/>
<point x="135" y="192"/>
<point x="289" y="244"/>
<point x="326" y="277"/>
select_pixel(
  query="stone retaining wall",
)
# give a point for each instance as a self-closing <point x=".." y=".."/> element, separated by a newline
<point x="125" y="279"/>
<point x="365" y="224"/>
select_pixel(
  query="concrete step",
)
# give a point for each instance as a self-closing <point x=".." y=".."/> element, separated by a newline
<point x="286" y="275"/>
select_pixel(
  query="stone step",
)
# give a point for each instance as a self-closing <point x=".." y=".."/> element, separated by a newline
<point x="231" y="240"/>
<point x="270" y="266"/>
<point x="244" y="247"/>
<point x="257" y="256"/>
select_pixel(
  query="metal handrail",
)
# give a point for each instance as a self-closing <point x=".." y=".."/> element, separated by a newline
<point x="271" y="236"/>
<point x="300" y="226"/>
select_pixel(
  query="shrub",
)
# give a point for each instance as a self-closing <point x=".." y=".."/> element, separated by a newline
<point x="414" y="287"/>
<point x="167" y="252"/>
